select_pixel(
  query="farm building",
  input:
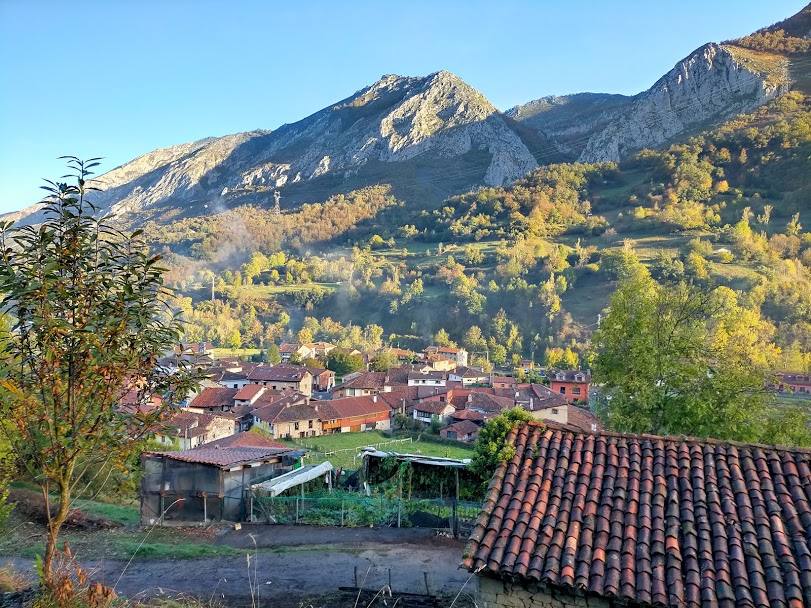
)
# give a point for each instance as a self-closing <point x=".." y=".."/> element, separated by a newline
<point x="208" y="483"/>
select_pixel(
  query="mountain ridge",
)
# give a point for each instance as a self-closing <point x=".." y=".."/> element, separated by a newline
<point x="433" y="136"/>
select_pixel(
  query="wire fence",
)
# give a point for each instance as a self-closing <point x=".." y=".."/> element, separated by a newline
<point x="348" y="510"/>
<point x="345" y="454"/>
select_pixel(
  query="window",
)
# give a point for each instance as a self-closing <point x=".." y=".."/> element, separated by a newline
<point x="576" y="390"/>
<point x="309" y="424"/>
<point x="295" y="425"/>
<point x="562" y="390"/>
<point x="554" y="410"/>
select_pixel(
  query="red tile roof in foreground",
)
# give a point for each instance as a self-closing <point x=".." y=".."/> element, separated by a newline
<point x="653" y="521"/>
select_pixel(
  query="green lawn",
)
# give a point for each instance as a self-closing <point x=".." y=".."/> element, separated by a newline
<point x="265" y="290"/>
<point x="23" y="538"/>
<point x="353" y="442"/>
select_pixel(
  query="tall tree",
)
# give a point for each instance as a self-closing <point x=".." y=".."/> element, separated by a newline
<point x="682" y="360"/>
<point x="91" y="319"/>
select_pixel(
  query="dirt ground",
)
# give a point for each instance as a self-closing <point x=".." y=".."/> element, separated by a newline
<point x="299" y="566"/>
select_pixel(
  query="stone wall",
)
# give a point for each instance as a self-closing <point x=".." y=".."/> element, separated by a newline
<point x="497" y="594"/>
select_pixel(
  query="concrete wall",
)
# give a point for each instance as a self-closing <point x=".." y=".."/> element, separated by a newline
<point x="497" y="594"/>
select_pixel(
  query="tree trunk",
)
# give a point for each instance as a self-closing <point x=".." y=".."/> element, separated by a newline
<point x="55" y="522"/>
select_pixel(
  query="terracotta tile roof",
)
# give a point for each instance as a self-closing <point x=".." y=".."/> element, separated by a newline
<point x="568" y="375"/>
<point x="188" y="424"/>
<point x="394" y="399"/>
<point x="350" y="407"/>
<point x="288" y="347"/>
<point x="472" y="415"/>
<point x="214" y="398"/>
<point x="652" y="521"/>
<point x="277" y="373"/>
<point x="487" y="403"/>
<point x="399" y="375"/>
<point x="464" y="427"/>
<point x="583" y="419"/>
<point x="317" y="371"/>
<point x="246" y="439"/>
<point x="369" y="380"/>
<point x="432" y="407"/>
<point x="224" y="375"/>
<point x="469" y="372"/>
<point x="297" y="412"/>
<point x="269" y="410"/>
<point x="248" y="392"/>
<point x="432" y="375"/>
<point x="534" y="396"/>
<point x="226" y="457"/>
<point x="426" y="392"/>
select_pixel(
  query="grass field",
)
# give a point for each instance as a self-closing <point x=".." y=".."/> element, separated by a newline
<point x="24" y="538"/>
<point x="326" y="447"/>
<point x="267" y="290"/>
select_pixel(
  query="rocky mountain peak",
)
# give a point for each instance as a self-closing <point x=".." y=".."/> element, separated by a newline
<point x="383" y="133"/>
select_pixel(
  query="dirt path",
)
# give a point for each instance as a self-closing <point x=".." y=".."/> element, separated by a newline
<point x="295" y="564"/>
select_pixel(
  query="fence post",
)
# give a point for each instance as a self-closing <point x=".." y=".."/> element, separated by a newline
<point x="455" y="519"/>
<point x="296" y="509"/>
<point x="342" y="521"/>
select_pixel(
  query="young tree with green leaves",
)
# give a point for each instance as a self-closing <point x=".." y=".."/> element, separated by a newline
<point x="491" y="447"/>
<point x="342" y="362"/>
<point x="683" y="360"/>
<point x="91" y="319"/>
<point x="383" y="361"/>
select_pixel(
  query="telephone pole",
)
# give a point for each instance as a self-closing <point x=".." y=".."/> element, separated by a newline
<point x="277" y="208"/>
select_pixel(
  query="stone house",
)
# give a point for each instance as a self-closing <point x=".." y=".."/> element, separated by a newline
<point x="283" y="377"/>
<point x="352" y="414"/>
<point x="428" y="411"/>
<point x="285" y="420"/>
<point x="464" y="430"/>
<point x="364" y="383"/>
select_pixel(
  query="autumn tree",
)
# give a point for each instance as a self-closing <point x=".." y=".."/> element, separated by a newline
<point x="683" y="360"/>
<point x="383" y="361"/>
<point x="90" y="320"/>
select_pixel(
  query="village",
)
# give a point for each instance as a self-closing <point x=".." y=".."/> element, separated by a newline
<point x="274" y="415"/>
<point x="405" y="305"/>
<point x="560" y="521"/>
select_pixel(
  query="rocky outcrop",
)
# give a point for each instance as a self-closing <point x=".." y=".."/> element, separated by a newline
<point x="708" y="86"/>
<point x="713" y="83"/>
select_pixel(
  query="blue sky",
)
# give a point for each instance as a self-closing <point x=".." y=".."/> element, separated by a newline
<point x="119" y="78"/>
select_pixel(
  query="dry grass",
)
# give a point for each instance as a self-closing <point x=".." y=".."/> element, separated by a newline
<point x="11" y="580"/>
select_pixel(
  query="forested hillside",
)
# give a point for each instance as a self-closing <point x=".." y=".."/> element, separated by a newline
<point x="524" y="270"/>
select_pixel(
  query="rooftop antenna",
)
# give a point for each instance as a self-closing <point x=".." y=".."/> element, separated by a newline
<point x="277" y="209"/>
